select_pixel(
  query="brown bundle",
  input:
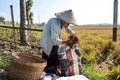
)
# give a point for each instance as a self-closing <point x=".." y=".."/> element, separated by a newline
<point x="72" y="39"/>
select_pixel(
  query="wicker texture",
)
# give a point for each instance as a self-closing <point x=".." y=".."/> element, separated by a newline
<point x="25" y="66"/>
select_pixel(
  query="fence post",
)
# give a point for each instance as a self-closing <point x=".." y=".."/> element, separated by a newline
<point x="13" y="24"/>
<point x="115" y="16"/>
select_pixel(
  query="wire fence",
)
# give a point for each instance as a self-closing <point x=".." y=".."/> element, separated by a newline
<point x="8" y="36"/>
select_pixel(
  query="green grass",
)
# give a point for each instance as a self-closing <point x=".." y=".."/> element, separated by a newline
<point x="4" y="59"/>
<point x="2" y="65"/>
<point x="91" y="74"/>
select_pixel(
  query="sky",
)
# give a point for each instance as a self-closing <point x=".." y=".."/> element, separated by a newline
<point x="85" y="11"/>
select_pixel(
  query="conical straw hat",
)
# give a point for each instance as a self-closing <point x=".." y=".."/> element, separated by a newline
<point x="67" y="16"/>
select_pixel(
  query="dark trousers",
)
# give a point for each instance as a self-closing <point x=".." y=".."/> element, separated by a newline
<point x="52" y="59"/>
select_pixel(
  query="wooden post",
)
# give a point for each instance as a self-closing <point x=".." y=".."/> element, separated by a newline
<point x="115" y="16"/>
<point x="13" y="23"/>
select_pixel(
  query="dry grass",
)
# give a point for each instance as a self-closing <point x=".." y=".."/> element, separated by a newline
<point x="104" y="32"/>
<point x="93" y="39"/>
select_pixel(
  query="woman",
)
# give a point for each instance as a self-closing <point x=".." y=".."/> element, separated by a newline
<point x="50" y="40"/>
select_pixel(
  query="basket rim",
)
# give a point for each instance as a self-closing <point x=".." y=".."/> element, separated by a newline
<point x="14" y="57"/>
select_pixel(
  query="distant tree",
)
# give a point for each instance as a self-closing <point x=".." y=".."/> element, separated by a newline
<point x="31" y="17"/>
<point x="29" y="4"/>
<point x="8" y="22"/>
<point x="23" y="33"/>
<point x="2" y="19"/>
<point x="17" y="23"/>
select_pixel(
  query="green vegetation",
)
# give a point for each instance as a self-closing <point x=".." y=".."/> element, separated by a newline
<point x="91" y="74"/>
<point x="4" y="59"/>
<point x="2" y="19"/>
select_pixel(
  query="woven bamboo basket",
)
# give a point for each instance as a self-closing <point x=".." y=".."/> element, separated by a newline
<point x="25" y="66"/>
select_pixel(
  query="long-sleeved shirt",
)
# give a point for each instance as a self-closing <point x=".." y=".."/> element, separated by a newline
<point x="50" y="35"/>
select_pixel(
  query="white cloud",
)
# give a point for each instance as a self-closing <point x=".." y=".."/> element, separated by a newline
<point x="4" y="14"/>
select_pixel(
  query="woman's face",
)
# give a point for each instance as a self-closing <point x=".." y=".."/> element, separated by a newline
<point x="65" y="24"/>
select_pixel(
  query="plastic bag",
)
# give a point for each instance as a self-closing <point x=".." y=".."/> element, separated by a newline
<point x="75" y="77"/>
<point x="48" y="76"/>
<point x="69" y="60"/>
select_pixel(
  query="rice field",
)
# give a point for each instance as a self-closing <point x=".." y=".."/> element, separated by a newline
<point x="100" y="56"/>
<point x="98" y="51"/>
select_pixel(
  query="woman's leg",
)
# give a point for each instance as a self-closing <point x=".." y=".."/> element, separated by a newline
<point x="52" y="59"/>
